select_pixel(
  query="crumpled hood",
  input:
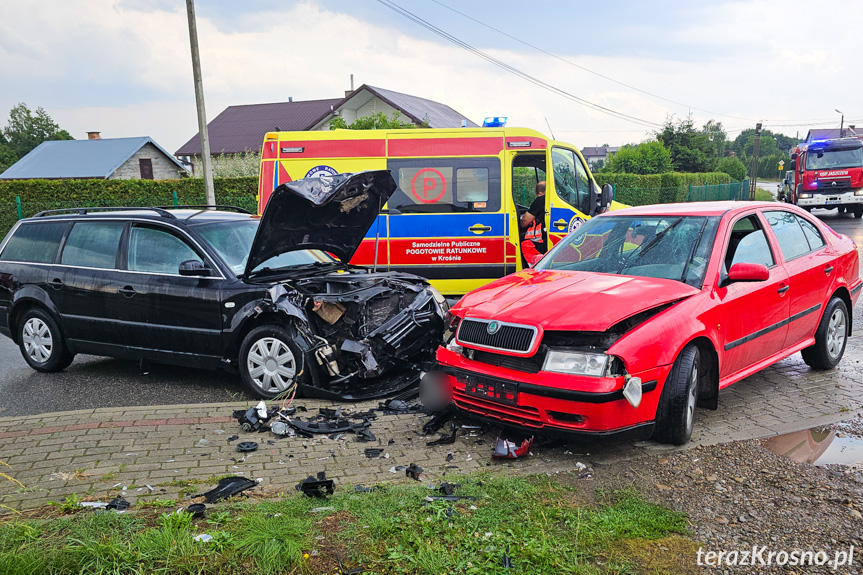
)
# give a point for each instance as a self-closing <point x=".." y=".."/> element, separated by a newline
<point x="570" y="301"/>
<point x="330" y="213"/>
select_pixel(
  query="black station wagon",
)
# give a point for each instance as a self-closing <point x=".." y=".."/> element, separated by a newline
<point x="271" y="297"/>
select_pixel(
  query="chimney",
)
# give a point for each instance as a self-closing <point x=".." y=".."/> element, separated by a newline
<point x="94" y="136"/>
<point x="290" y="98"/>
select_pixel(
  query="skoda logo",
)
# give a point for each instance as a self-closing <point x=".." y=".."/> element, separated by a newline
<point x="492" y="327"/>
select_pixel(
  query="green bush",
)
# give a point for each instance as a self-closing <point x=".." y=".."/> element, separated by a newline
<point x="39" y="195"/>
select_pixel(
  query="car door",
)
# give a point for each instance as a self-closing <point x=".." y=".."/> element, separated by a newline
<point x="568" y="205"/>
<point x="87" y="281"/>
<point x="752" y="316"/>
<point x="809" y="268"/>
<point x="164" y="312"/>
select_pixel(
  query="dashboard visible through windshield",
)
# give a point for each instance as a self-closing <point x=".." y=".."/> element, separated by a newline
<point x="669" y="247"/>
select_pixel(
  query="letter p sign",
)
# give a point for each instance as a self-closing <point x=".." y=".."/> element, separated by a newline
<point x="433" y="185"/>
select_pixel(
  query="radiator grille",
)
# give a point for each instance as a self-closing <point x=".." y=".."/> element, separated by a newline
<point x="507" y="337"/>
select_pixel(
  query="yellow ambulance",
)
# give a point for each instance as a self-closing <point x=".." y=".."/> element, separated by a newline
<point x="454" y="217"/>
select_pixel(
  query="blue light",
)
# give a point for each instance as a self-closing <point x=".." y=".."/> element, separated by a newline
<point x="494" y="122"/>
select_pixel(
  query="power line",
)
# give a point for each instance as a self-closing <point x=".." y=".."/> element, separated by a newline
<point x="610" y="79"/>
<point x="513" y="70"/>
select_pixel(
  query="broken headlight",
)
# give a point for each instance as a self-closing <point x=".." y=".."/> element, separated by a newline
<point x="576" y="362"/>
<point x="440" y="300"/>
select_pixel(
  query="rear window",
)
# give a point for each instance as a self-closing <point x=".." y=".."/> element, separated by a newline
<point x="34" y="243"/>
<point x="93" y="245"/>
<point x="444" y="185"/>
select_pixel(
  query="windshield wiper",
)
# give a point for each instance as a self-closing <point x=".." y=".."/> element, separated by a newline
<point x="644" y="248"/>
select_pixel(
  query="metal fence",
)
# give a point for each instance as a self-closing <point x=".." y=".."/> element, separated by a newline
<point x="734" y="191"/>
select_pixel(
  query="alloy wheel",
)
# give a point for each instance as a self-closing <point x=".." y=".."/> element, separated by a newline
<point x="271" y="365"/>
<point x="38" y="342"/>
<point x="836" y="333"/>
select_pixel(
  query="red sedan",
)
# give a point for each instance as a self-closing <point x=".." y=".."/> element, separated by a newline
<point x="641" y="314"/>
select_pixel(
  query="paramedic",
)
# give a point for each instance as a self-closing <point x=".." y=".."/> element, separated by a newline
<point x="533" y="221"/>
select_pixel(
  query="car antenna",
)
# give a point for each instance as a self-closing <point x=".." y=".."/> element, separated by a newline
<point x="549" y="128"/>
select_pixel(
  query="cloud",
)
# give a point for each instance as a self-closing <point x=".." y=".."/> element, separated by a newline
<point x="123" y="67"/>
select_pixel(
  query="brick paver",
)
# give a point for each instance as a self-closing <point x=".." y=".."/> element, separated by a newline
<point x="103" y="452"/>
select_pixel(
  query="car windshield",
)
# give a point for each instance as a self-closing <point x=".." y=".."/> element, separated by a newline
<point x="669" y="247"/>
<point x="820" y="159"/>
<point x="232" y="240"/>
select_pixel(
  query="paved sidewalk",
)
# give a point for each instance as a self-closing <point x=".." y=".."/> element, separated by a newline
<point x="98" y="453"/>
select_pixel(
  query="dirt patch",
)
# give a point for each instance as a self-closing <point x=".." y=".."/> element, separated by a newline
<point x="332" y="554"/>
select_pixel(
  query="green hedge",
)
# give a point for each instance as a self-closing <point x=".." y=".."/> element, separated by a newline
<point x="640" y="190"/>
<point x="39" y="195"/>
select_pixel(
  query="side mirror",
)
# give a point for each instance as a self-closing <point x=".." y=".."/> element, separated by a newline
<point x="794" y="156"/>
<point x="748" y="273"/>
<point x="605" y="198"/>
<point x="593" y="200"/>
<point x="193" y="268"/>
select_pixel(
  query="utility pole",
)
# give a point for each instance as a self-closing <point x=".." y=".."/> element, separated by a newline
<point x="199" y="101"/>
<point x="753" y="168"/>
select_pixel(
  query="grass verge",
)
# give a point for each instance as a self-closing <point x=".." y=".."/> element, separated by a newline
<point x="514" y="525"/>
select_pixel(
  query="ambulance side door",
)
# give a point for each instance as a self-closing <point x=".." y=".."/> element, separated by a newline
<point x="447" y="221"/>
<point x="569" y="195"/>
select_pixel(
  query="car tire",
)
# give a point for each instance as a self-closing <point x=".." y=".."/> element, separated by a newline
<point x="270" y="363"/>
<point x="831" y="337"/>
<point x="41" y="342"/>
<point x="675" y="414"/>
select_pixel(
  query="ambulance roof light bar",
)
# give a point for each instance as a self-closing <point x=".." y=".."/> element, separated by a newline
<point x="494" y="122"/>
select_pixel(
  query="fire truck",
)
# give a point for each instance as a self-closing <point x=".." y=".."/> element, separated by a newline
<point x="829" y="174"/>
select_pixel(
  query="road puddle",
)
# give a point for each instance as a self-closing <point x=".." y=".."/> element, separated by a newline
<point x="819" y="446"/>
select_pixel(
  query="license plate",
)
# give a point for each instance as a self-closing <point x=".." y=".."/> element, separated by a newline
<point x="491" y="389"/>
<point x="832" y="202"/>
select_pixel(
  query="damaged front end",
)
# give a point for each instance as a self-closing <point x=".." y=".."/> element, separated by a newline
<point x="363" y="335"/>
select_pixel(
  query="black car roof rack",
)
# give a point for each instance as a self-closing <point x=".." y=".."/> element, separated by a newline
<point x="205" y="207"/>
<point x="82" y="211"/>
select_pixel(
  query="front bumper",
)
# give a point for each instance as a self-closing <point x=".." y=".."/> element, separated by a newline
<point x="551" y="401"/>
<point x="823" y="198"/>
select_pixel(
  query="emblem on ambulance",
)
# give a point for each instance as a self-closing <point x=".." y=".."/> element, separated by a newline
<point x="319" y="171"/>
<point x="574" y="224"/>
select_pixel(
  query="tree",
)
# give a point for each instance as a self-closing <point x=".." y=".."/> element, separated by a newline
<point x="378" y="121"/>
<point x="691" y="149"/>
<point x="716" y="135"/>
<point x="649" y="157"/>
<point x="26" y="130"/>
<point x="732" y="166"/>
<point x="7" y="156"/>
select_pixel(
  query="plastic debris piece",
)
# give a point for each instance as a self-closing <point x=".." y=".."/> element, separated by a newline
<point x="320" y="487"/>
<point x="413" y="471"/>
<point x="448" y="488"/>
<point x="506" y="561"/>
<point x="118" y="504"/>
<point x="227" y="487"/>
<point x="365" y="435"/>
<point x="579" y="466"/>
<point x="445" y="439"/>
<point x="322" y="510"/>
<point x="94" y="504"/>
<point x="196" y="510"/>
<point x="364" y="489"/>
<point x="247" y="446"/>
<point x="449" y="457"/>
<point x="203" y="443"/>
<point x="280" y="428"/>
<point x="203" y="538"/>
<point x="373" y="452"/>
<point x="506" y="449"/>
<point x="344" y="571"/>
<point x="437" y="421"/>
<point x="397" y="468"/>
<point x="233" y="438"/>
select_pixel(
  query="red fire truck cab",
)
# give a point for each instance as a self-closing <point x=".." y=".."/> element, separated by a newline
<point x="829" y="174"/>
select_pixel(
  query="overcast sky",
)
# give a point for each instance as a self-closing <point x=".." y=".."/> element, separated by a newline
<point x="123" y="67"/>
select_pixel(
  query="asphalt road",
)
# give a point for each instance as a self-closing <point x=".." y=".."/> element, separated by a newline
<point x="92" y="382"/>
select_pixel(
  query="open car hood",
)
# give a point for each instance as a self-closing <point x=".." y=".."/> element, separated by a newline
<point x="330" y="213"/>
<point x="570" y="301"/>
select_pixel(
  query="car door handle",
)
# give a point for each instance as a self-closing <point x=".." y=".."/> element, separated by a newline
<point x="560" y="224"/>
<point x="479" y="228"/>
<point x="56" y="283"/>
<point x="782" y="290"/>
<point x="828" y="269"/>
<point x="127" y="291"/>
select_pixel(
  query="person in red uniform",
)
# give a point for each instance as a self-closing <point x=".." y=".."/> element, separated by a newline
<point x="533" y="222"/>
